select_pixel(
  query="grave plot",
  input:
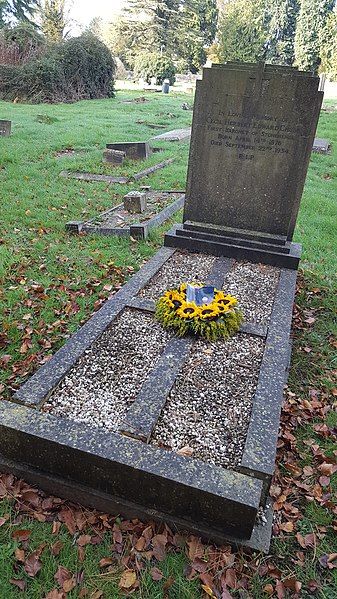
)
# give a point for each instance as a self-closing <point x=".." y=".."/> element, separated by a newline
<point x="129" y="417"/>
<point x="160" y="206"/>
<point x="178" y="429"/>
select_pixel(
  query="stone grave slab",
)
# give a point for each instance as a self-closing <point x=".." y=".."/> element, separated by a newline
<point x="103" y="439"/>
<point x="321" y="146"/>
<point x="134" y="150"/>
<point x="174" y="135"/>
<point x="252" y="134"/>
<point x="160" y="206"/>
<point x="110" y="179"/>
<point x="5" y="128"/>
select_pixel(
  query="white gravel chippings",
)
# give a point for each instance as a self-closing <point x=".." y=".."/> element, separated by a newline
<point x="181" y="267"/>
<point x="254" y="285"/>
<point x="209" y="407"/>
<point x="107" y="378"/>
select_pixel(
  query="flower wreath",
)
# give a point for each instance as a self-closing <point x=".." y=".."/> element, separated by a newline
<point x="219" y="317"/>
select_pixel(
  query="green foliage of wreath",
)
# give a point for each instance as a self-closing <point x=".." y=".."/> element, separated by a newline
<point x="219" y="319"/>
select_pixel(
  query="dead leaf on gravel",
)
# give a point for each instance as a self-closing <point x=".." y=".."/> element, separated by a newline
<point x="185" y="451"/>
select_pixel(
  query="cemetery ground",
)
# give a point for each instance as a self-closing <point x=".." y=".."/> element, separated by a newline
<point x="52" y="282"/>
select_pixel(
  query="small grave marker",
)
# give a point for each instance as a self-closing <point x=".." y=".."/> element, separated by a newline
<point x="135" y="202"/>
<point x="321" y="146"/>
<point x="5" y="128"/>
<point x="134" y="150"/>
<point x="114" y="156"/>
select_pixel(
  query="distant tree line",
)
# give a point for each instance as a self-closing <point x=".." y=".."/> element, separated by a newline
<point x="156" y="38"/>
<point x="298" y="33"/>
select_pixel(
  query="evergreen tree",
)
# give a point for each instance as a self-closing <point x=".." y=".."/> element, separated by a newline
<point x="17" y="10"/>
<point x="311" y="23"/>
<point x="242" y="33"/>
<point x="54" y="19"/>
<point x="281" y="20"/>
<point x="157" y="23"/>
<point x="197" y="29"/>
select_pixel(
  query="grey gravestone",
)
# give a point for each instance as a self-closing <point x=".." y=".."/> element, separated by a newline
<point x="135" y="150"/>
<point x="135" y="202"/>
<point x="114" y="156"/>
<point x="321" y="146"/>
<point x="252" y="134"/>
<point x="5" y="128"/>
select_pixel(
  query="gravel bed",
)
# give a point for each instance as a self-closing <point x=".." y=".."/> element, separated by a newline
<point x="107" y="378"/>
<point x="209" y="407"/>
<point x="254" y="285"/>
<point x="182" y="266"/>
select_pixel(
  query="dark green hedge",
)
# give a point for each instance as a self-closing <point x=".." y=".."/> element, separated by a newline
<point x="80" y="68"/>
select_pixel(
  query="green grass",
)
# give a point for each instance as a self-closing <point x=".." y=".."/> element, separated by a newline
<point x="52" y="282"/>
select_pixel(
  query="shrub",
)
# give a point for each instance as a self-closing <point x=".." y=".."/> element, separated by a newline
<point x="151" y="64"/>
<point x="81" y="68"/>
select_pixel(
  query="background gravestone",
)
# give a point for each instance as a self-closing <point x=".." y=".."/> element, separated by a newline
<point x="252" y="133"/>
<point x="5" y="128"/>
<point x="135" y="150"/>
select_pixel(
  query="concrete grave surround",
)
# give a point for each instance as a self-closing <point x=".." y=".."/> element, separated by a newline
<point x="5" y="128"/>
<point x="120" y="472"/>
<point x="138" y="230"/>
<point x="252" y="134"/>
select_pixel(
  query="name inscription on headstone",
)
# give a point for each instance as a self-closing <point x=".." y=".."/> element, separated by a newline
<point x="266" y="134"/>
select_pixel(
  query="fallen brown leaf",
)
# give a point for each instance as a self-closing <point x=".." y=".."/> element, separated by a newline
<point x="128" y="579"/>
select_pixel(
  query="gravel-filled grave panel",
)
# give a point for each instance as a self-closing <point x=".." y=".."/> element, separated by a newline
<point x="208" y="410"/>
<point x="182" y="266"/>
<point x="105" y="381"/>
<point x="254" y="285"/>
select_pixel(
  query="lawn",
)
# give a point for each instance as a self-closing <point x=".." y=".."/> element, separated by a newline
<point x="52" y="282"/>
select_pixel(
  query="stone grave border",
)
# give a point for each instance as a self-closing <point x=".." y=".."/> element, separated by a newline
<point x="137" y="230"/>
<point x="110" y="179"/>
<point x="111" y="468"/>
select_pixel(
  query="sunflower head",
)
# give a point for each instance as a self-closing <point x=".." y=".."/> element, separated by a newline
<point x="208" y="312"/>
<point x="188" y="310"/>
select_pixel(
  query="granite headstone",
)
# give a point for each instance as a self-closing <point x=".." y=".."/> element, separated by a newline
<point x="252" y="133"/>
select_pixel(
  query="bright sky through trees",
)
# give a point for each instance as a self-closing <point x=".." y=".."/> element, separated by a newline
<point x="82" y="11"/>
